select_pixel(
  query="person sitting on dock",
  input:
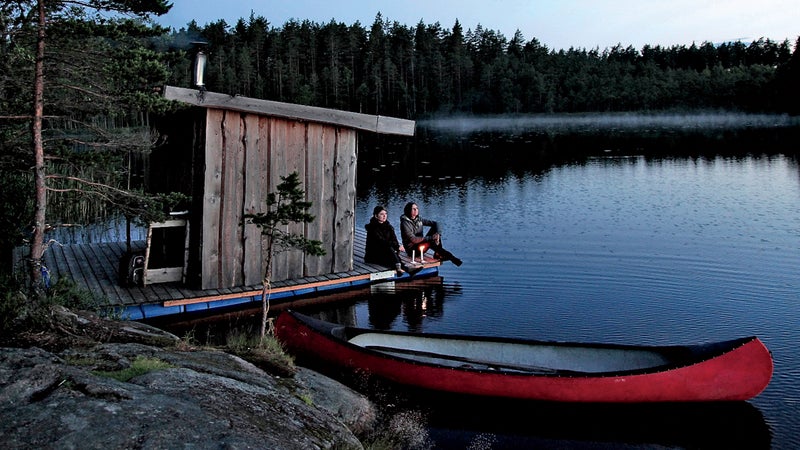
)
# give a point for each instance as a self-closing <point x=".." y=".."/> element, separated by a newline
<point x="412" y="228"/>
<point x="382" y="246"/>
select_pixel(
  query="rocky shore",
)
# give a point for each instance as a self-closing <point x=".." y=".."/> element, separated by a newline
<point x="59" y="395"/>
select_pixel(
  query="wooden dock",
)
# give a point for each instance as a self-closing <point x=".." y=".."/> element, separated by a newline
<point x="95" y="267"/>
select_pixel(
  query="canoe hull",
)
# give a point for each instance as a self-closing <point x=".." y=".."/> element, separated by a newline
<point x="738" y="373"/>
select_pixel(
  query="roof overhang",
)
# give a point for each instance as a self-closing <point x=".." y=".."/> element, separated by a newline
<point x="366" y="122"/>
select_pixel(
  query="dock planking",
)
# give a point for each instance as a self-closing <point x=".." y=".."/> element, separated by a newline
<point x="95" y="267"/>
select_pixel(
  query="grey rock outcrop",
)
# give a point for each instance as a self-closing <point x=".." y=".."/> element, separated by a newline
<point x="202" y="399"/>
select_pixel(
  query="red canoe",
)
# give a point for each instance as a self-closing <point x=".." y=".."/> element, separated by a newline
<point x="738" y="369"/>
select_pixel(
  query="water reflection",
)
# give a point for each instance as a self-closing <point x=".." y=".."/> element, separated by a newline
<point x="388" y="305"/>
<point x="413" y="302"/>
<point x="441" y="156"/>
<point x="457" y="423"/>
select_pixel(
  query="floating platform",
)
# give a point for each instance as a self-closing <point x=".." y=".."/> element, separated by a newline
<point x="95" y="268"/>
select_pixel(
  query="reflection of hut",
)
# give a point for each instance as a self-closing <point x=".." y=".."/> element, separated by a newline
<point x="227" y="153"/>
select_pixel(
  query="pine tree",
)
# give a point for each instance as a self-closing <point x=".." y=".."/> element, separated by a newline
<point x="284" y="207"/>
<point x="78" y="61"/>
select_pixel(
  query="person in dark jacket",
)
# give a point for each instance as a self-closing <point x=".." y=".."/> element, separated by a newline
<point x="382" y="245"/>
<point x="416" y="241"/>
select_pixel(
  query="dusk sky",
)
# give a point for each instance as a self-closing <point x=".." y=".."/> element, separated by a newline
<point x="558" y="24"/>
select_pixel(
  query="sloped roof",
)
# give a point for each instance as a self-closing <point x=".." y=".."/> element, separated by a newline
<point x="365" y="122"/>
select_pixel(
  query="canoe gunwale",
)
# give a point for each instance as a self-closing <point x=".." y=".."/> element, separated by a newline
<point x="680" y="356"/>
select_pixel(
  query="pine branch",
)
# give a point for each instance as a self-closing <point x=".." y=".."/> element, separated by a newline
<point x="121" y="192"/>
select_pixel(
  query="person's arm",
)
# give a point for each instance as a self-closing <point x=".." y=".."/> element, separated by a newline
<point x="434" y="227"/>
<point x="393" y="240"/>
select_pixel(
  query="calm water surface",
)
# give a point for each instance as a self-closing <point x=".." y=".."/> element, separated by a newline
<point x="665" y="239"/>
<point x="608" y="247"/>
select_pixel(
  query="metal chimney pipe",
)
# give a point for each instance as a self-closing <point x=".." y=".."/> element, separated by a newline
<point x="200" y="59"/>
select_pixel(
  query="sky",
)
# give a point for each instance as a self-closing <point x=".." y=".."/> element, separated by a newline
<point x="557" y="24"/>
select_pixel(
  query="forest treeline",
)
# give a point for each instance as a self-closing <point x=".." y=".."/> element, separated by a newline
<point x="424" y="70"/>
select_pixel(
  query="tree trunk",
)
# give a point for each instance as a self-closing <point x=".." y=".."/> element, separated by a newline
<point x="266" y="290"/>
<point x="40" y="201"/>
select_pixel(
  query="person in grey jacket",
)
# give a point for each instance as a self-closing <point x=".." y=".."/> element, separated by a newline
<point x="415" y="240"/>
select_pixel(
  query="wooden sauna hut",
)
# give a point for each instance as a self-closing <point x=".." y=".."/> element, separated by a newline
<point x="227" y="152"/>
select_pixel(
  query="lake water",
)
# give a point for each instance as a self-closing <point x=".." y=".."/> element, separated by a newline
<point x="644" y="231"/>
<point x="666" y="238"/>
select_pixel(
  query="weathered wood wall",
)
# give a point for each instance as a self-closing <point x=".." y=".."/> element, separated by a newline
<point x="245" y="156"/>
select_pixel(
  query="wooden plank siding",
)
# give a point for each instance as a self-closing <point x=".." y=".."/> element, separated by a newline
<point x="288" y="155"/>
<point x="344" y="199"/>
<point x="210" y="262"/>
<point x="231" y="235"/>
<point x="319" y="173"/>
<point x="246" y="155"/>
<point x="94" y="267"/>
<point x="256" y="171"/>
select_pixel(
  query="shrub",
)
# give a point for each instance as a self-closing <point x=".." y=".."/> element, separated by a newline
<point x="266" y="353"/>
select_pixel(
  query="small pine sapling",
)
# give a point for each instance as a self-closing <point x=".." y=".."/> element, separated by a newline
<point x="284" y="207"/>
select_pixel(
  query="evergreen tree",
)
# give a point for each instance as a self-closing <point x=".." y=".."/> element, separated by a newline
<point x="284" y="207"/>
<point x="87" y="70"/>
<point x="391" y="69"/>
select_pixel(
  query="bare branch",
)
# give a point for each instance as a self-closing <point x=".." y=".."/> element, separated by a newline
<point x="90" y="6"/>
<point x="120" y="192"/>
<point x="86" y="91"/>
<point x="25" y="117"/>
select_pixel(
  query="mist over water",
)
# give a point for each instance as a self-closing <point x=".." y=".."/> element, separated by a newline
<point x="591" y="122"/>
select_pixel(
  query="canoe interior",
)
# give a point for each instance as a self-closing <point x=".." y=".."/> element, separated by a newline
<point x="512" y="356"/>
<point x="525" y="356"/>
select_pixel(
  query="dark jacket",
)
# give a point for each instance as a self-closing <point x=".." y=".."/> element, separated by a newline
<point x="413" y="232"/>
<point x="382" y="245"/>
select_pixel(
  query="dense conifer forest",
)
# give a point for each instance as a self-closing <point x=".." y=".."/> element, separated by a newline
<point x="419" y="71"/>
